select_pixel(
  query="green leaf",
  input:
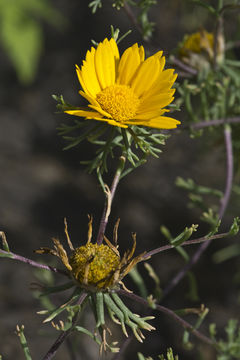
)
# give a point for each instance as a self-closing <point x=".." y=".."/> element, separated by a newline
<point x="184" y="236"/>
<point x="21" y="33"/>
<point x="138" y="279"/>
<point x="95" y="4"/>
<point x="23" y="341"/>
<point x="22" y="39"/>
<point x="4" y="241"/>
<point x="235" y="227"/>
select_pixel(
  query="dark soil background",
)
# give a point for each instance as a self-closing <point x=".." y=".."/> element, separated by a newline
<point x="40" y="185"/>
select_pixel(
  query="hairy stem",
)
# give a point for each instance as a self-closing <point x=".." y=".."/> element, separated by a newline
<point x="224" y="204"/>
<point x="109" y="199"/>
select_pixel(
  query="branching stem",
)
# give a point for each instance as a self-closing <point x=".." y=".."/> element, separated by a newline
<point x="203" y="239"/>
<point x="63" y="336"/>
<point x="224" y="203"/>
<point x="13" y="256"/>
<point x="109" y="199"/>
<point x="217" y="122"/>
<point x="170" y="313"/>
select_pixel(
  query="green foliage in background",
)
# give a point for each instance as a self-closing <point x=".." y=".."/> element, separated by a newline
<point x="21" y="33"/>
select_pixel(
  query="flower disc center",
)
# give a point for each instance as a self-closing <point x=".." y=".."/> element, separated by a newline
<point x="94" y="265"/>
<point x="119" y="101"/>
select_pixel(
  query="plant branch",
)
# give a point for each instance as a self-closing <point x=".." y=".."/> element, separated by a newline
<point x="181" y="65"/>
<point x="216" y="122"/>
<point x="132" y="17"/>
<point x="13" y="256"/>
<point x="63" y="336"/>
<point x="125" y="344"/>
<point x="229" y="178"/>
<point x="203" y="239"/>
<point x="109" y="199"/>
<point x="224" y="204"/>
<point x="170" y="313"/>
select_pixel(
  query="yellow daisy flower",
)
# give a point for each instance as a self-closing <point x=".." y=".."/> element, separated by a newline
<point x="126" y="90"/>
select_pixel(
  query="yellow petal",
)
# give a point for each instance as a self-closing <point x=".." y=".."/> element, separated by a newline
<point x="114" y="47"/>
<point x="100" y="110"/>
<point x="161" y="85"/>
<point x="89" y="98"/>
<point x="105" y="63"/>
<point x="110" y="122"/>
<point x="161" y="122"/>
<point x="150" y="114"/>
<point x="87" y="75"/>
<point x="156" y="102"/>
<point x="146" y="75"/>
<point x="128" y="64"/>
<point x="83" y="113"/>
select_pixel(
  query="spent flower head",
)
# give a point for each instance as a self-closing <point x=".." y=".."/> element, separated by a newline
<point x="126" y="90"/>
<point x="95" y="267"/>
<point x="97" y="271"/>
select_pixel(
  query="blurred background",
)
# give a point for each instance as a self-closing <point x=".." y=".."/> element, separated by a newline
<point x="40" y="184"/>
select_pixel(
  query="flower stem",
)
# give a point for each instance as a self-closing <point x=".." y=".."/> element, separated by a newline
<point x="224" y="204"/>
<point x="188" y="69"/>
<point x="203" y="239"/>
<point x="132" y="17"/>
<point x="170" y="313"/>
<point x="217" y="122"/>
<point x="63" y="336"/>
<point x="229" y="179"/>
<point x="109" y="199"/>
<point x="13" y="256"/>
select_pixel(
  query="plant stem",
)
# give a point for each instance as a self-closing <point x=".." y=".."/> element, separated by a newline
<point x="109" y="199"/>
<point x="229" y="178"/>
<point x="170" y="313"/>
<point x="224" y="204"/>
<point x="125" y="344"/>
<point x="132" y="17"/>
<point x="13" y="256"/>
<point x="63" y="336"/>
<point x="181" y="65"/>
<point x="185" y="243"/>
<point x="216" y="122"/>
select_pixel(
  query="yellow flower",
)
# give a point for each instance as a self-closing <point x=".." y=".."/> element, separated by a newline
<point x="126" y="90"/>
<point x="198" y="42"/>
<point x="95" y="267"/>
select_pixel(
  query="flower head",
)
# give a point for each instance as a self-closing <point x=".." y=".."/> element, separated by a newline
<point x="197" y="49"/>
<point x="197" y="43"/>
<point x="95" y="267"/>
<point x="126" y="90"/>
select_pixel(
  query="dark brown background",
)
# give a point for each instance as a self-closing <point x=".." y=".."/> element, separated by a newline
<point x="40" y="184"/>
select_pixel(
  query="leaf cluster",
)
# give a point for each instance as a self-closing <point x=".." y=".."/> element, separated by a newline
<point x="142" y="8"/>
<point x="170" y="356"/>
<point x="135" y="143"/>
<point x="228" y="348"/>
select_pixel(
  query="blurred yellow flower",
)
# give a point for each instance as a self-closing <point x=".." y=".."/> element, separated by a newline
<point x="126" y="90"/>
<point x="198" y="42"/>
